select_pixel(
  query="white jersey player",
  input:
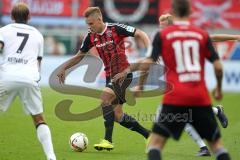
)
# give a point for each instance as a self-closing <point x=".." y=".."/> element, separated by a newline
<point x="21" y="53"/>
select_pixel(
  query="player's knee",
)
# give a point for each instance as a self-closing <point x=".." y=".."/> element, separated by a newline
<point x="118" y="115"/>
<point x="105" y="102"/>
<point x="106" y="99"/>
<point x="157" y="141"/>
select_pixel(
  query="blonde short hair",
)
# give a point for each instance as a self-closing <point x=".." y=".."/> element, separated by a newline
<point x="92" y="11"/>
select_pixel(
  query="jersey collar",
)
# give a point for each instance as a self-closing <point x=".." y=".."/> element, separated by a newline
<point x="104" y="29"/>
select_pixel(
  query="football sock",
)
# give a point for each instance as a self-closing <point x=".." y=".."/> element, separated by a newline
<point x="215" y="110"/>
<point x="154" y="154"/>
<point x="131" y="123"/>
<point x="108" y="116"/>
<point x="222" y="154"/>
<point x="194" y="135"/>
<point x="44" y="136"/>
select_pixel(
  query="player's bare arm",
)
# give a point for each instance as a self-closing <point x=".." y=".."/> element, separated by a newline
<point x="218" y="69"/>
<point x="148" y="45"/>
<point x="167" y="19"/>
<point x="224" y="37"/>
<point x="143" y="69"/>
<point x="143" y="65"/>
<point x="146" y="63"/>
<point x="70" y="63"/>
<point x="217" y="92"/>
<point x="133" y="67"/>
<point x="143" y="36"/>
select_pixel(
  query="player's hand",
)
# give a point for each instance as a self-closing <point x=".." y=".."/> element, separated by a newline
<point x="137" y="90"/>
<point x="61" y="76"/>
<point x="217" y="94"/>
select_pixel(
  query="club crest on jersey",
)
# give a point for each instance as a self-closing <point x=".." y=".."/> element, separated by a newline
<point x="109" y="33"/>
<point x="95" y="40"/>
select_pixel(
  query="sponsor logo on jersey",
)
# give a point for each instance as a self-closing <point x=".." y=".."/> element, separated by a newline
<point x="104" y="44"/>
<point x="109" y="33"/>
<point x="130" y="29"/>
<point x="17" y="60"/>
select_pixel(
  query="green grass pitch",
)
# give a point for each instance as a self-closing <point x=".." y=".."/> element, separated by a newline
<point x="18" y="139"/>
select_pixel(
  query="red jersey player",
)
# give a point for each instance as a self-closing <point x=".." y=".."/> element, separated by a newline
<point x="184" y="49"/>
<point x="166" y="20"/>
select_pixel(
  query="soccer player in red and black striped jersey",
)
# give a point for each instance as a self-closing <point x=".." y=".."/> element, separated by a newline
<point x="109" y="42"/>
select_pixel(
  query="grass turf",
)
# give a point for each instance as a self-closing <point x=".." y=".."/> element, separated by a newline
<point x="18" y="136"/>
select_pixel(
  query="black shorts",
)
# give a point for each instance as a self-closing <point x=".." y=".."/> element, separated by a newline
<point x="119" y="89"/>
<point x="171" y="120"/>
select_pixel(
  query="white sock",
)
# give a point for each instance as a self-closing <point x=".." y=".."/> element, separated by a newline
<point x="44" y="136"/>
<point x="194" y="135"/>
<point x="215" y="110"/>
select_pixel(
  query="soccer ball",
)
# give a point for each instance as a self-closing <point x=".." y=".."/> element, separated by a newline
<point x="78" y="142"/>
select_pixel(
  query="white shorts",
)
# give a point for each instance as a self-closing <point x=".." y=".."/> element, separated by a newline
<point x="29" y="94"/>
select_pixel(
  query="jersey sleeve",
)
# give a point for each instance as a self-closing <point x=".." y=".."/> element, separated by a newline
<point x="212" y="55"/>
<point x="86" y="44"/>
<point x="125" y="30"/>
<point x="157" y="47"/>
<point x="41" y="48"/>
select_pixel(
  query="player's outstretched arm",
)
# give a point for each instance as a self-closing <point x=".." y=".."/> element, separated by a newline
<point x="224" y="37"/>
<point x="70" y="63"/>
<point x="213" y="57"/>
<point x="139" y="34"/>
<point x="145" y="39"/>
<point x="145" y="64"/>
<point x="147" y="44"/>
<point x="142" y="65"/>
<point x="217" y="92"/>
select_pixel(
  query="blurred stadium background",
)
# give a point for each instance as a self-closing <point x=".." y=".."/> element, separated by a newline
<point x="63" y="26"/>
